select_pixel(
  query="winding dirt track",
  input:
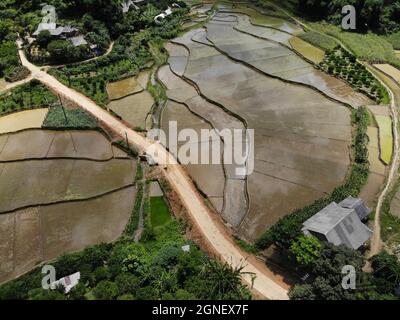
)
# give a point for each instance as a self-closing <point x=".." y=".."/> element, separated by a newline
<point x="266" y="284"/>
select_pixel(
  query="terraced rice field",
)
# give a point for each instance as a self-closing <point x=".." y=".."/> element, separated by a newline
<point x="23" y="120"/>
<point x="391" y="71"/>
<point x="232" y="79"/>
<point x="257" y="18"/>
<point x="128" y="86"/>
<point x="61" y="191"/>
<point x="307" y="50"/>
<point x="231" y="201"/>
<point x="376" y="178"/>
<point x="134" y="109"/>
<point x="200" y="173"/>
<point x="131" y="101"/>
<point x="268" y="51"/>
<point x="385" y="137"/>
<point x="383" y="122"/>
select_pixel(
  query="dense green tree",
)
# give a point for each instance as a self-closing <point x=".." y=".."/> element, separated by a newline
<point x="6" y="27"/>
<point x="43" y="38"/>
<point x="78" y="292"/>
<point x="386" y="268"/>
<point x="302" y="292"/>
<point x="306" y="249"/>
<point x="105" y="290"/>
<point x="41" y="294"/>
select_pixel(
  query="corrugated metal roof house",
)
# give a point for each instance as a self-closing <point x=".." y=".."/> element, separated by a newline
<point x="55" y="31"/>
<point x="338" y="225"/>
<point x="357" y="204"/>
<point x="78" y="41"/>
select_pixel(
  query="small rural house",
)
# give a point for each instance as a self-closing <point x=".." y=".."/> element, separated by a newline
<point x="158" y="19"/>
<point x="62" y="32"/>
<point x="134" y="3"/>
<point x="340" y="223"/>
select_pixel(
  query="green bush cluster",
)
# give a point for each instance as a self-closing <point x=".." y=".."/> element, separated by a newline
<point x="289" y="227"/>
<point x="344" y="65"/>
<point x="28" y="96"/>
<point x="156" y="269"/>
<point x="325" y="276"/>
<point x="394" y="39"/>
<point x="319" y="40"/>
<point x="59" y="117"/>
<point x="369" y="46"/>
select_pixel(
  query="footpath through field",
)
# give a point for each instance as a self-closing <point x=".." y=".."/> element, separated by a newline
<point x="266" y="283"/>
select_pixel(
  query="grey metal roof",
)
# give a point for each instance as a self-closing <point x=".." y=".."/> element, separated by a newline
<point x="326" y="219"/>
<point x="356" y="203"/>
<point x="44" y="26"/>
<point x="78" y="41"/>
<point x="339" y="226"/>
<point x="54" y="31"/>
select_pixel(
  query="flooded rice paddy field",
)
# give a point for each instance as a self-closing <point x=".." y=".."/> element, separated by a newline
<point x="232" y="202"/>
<point x="302" y="137"/>
<point x="269" y="51"/>
<point x="131" y="101"/>
<point x="134" y="109"/>
<point x="308" y="51"/>
<point x="40" y="144"/>
<point x="23" y="120"/>
<point x="128" y="86"/>
<point x="200" y="173"/>
<point x="61" y="191"/>
<point x="260" y="19"/>
<point x="43" y="233"/>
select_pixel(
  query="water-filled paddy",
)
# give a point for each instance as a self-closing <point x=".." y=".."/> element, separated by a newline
<point x="43" y="233"/>
<point x="200" y="173"/>
<point x="301" y="138"/>
<point x="307" y="50"/>
<point x="134" y="109"/>
<point x="60" y="202"/>
<point x="272" y="56"/>
<point x="27" y="183"/>
<point x="40" y="144"/>
<point x="258" y="18"/>
<point x="235" y="190"/>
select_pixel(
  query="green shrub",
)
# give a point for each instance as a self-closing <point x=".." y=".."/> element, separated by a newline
<point x="59" y="117"/>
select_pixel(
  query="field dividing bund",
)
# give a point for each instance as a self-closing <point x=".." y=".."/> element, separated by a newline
<point x="302" y="138"/>
<point x="62" y="191"/>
